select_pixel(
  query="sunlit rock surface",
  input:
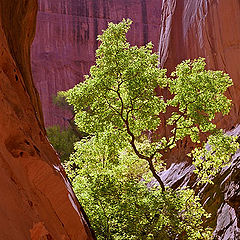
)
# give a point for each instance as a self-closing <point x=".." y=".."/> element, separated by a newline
<point x="36" y="200"/>
<point x="65" y="43"/>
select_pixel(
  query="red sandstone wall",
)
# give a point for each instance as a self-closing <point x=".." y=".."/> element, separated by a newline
<point x="204" y="28"/>
<point x="36" y="200"/>
<point x="65" y="42"/>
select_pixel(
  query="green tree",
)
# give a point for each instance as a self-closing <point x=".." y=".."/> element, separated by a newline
<point x="123" y="202"/>
<point x="118" y="106"/>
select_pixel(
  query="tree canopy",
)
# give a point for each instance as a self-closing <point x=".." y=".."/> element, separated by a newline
<point x="117" y="106"/>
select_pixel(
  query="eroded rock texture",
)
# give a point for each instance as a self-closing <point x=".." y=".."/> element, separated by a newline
<point x="65" y="43"/>
<point x="36" y="200"/>
<point x="220" y="199"/>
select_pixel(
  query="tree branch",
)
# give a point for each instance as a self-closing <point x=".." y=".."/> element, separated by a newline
<point x="132" y="141"/>
<point x="141" y="156"/>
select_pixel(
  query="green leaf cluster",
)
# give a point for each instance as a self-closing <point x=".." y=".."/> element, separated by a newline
<point x="215" y="155"/>
<point x="121" y="86"/>
<point x="122" y="202"/>
<point x="198" y="95"/>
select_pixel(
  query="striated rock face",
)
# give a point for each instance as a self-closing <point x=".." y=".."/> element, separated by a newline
<point x="36" y="200"/>
<point x="65" y="43"/>
<point x="210" y="29"/>
<point x="203" y="28"/>
<point x="222" y="199"/>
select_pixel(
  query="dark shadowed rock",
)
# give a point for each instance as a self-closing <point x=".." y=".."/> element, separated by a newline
<point x="221" y="199"/>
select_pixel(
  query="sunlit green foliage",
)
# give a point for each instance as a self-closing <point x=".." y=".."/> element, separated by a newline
<point x="116" y="169"/>
<point x="120" y="86"/>
<point x="199" y="95"/>
<point x="122" y="202"/>
<point x="215" y="155"/>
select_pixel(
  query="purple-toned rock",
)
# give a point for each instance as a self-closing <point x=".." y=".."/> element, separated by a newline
<point x="65" y="42"/>
<point x="221" y="199"/>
